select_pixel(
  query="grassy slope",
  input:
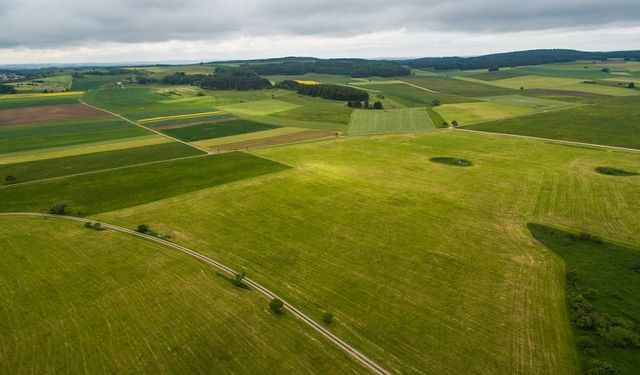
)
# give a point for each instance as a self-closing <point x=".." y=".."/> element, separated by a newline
<point x="388" y="121"/>
<point x="105" y="191"/>
<point x="425" y="266"/>
<point x="608" y="122"/>
<point x="40" y="169"/>
<point x="81" y="301"/>
<point x="613" y="272"/>
<point x="471" y="113"/>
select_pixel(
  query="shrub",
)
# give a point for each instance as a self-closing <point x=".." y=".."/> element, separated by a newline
<point x="142" y="228"/>
<point x="58" y="208"/>
<point x="327" y="317"/>
<point x="276" y="305"/>
<point x="590" y="294"/>
<point x="454" y="123"/>
<point x="586" y="345"/>
<point x="10" y="180"/>
<point x="377" y="105"/>
<point x="584" y="321"/>
<point x="622" y="337"/>
<point x="435" y="103"/>
<point x="581" y="303"/>
<point x="600" y="368"/>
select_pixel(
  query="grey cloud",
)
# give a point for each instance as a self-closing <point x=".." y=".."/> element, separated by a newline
<point x="58" y="23"/>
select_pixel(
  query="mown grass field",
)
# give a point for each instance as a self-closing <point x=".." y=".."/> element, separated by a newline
<point x="608" y="121"/>
<point x="63" y="166"/>
<point x="81" y="301"/>
<point x="471" y="113"/>
<point x="33" y="100"/>
<point x="426" y="267"/>
<point x="104" y="191"/>
<point x="389" y="121"/>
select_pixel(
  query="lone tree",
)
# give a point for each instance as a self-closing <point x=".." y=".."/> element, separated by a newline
<point x="142" y="228"/>
<point x="276" y="305"/>
<point x="327" y="317"/>
<point x="435" y="102"/>
<point x="377" y="105"/>
<point x="10" y="180"/>
<point x="239" y="276"/>
<point x="454" y="123"/>
<point x="632" y="85"/>
<point x="58" y="208"/>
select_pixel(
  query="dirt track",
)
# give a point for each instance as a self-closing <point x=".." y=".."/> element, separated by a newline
<point x="47" y="113"/>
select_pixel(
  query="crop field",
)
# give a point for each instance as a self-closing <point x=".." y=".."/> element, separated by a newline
<point x="33" y="100"/>
<point x="389" y="121"/>
<point x="452" y="240"/>
<point x="471" y="113"/>
<point x="432" y="250"/>
<point x="50" y="134"/>
<point x="124" y="304"/>
<point x="63" y="166"/>
<point x="607" y="122"/>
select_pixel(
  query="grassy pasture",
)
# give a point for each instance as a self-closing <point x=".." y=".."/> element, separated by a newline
<point x="610" y="270"/>
<point x="258" y="108"/>
<point x="333" y="114"/>
<point x="412" y="96"/>
<point x="83" y="301"/>
<point x="33" y="100"/>
<point x="608" y="122"/>
<point x="535" y="103"/>
<point x="601" y="89"/>
<point x="427" y="267"/>
<point x="365" y="121"/>
<point x="109" y="190"/>
<point x="216" y="130"/>
<point x="54" y="167"/>
<point x="93" y="82"/>
<point x="471" y="113"/>
<point x="528" y="82"/>
<point x="51" y="84"/>
<point x="25" y="137"/>
<point x="445" y="84"/>
<point x="81" y="149"/>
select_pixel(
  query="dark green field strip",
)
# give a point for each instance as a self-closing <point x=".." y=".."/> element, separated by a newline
<point x="17" y="102"/>
<point x="41" y="169"/>
<point x="611" y="122"/>
<point x="216" y="130"/>
<point x="58" y="134"/>
<point x="111" y="190"/>
<point x="607" y="277"/>
<point x="189" y="120"/>
<point x="90" y="82"/>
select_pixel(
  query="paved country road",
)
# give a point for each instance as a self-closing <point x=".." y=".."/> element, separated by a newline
<point x="368" y="363"/>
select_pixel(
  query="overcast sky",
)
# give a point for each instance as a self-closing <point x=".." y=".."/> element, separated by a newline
<point x="38" y="31"/>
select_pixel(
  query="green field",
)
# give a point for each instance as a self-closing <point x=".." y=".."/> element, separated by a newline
<point x="109" y="302"/>
<point x="54" y="84"/>
<point x="216" y="130"/>
<point x="364" y="121"/>
<point x="105" y="191"/>
<point x="471" y="113"/>
<point x="35" y="136"/>
<point x="33" y="100"/>
<point x="607" y="122"/>
<point x="411" y="96"/>
<point x="410" y="255"/>
<point x="63" y="166"/>
<point x="607" y="276"/>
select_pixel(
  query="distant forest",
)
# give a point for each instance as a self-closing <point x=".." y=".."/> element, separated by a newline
<point x="356" y="68"/>
<point x="509" y="59"/>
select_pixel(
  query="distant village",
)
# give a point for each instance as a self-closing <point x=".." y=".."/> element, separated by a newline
<point x="10" y="77"/>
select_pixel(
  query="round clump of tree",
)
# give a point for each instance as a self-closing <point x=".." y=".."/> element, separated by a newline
<point x="457" y="162"/>
<point x="276" y="305"/>
<point x="615" y="172"/>
<point x="327" y="317"/>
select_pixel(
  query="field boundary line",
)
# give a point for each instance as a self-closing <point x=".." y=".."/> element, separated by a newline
<point x="374" y="367"/>
<point x="144" y="127"/>
<point x="560" y="141"/>
<point x="419" y="87"/>
<point x="101" y="170"/>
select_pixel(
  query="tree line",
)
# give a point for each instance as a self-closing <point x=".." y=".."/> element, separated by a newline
<point x="520" y="58"/>
<point x="326" y="91"/>
<point x="356" y="68"/>
<point x="224" y="78"/>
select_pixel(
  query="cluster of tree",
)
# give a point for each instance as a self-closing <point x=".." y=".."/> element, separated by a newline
<point x="365" y="104"/>
<point x="227" y="78"/>
<point x="350" y="67"/>
<point x="520" y="58"/>
<point x="145" y="229"/>
<point x="112" y="71"/>
<point x="326" y="91"/>
<point x="180" y="78"/>
<point x="7" y="89"/>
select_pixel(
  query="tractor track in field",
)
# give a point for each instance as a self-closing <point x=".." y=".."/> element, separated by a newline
<point x="344" y="346"/>
<point x="145" y="127"/>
